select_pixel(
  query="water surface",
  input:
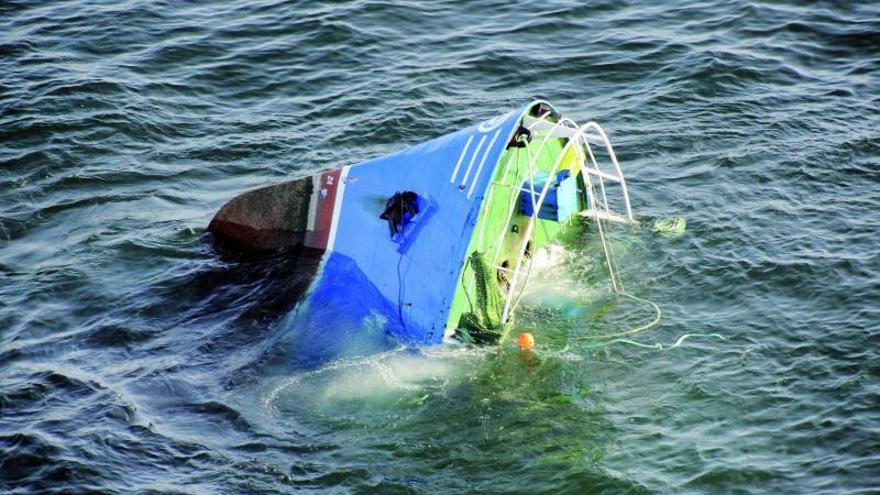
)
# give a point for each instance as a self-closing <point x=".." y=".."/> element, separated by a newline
<point x="136" y="358"/>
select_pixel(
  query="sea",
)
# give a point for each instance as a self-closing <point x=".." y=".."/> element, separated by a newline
<point x="137" y="357"/>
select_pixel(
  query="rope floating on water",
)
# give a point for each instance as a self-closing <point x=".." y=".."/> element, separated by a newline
<point x="658" y="314"/>
<point x="658" y="346"/>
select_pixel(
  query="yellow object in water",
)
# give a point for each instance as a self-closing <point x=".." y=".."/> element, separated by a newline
<point x="672" y="227"/>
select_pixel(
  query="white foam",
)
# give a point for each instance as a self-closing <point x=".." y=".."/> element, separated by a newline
<point x="377" y="380"/>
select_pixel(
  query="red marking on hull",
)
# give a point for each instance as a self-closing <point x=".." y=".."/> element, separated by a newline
<point x="326" y="199"/>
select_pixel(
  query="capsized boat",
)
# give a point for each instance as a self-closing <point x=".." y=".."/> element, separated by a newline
<point x="434" y="242"/>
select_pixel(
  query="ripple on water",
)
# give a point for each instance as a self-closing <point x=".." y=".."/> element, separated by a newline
<point x="137" y="357"/>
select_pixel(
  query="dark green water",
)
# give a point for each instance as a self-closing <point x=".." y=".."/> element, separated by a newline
<point x="136" y="359"/>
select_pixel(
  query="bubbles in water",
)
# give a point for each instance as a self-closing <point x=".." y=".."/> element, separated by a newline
<point x="400" y="377"/>
<point x="554" y="281"/>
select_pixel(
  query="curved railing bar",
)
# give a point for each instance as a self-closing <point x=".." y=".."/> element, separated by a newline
<point x="595" y="164"/>
<point x="529" y="228"/>
<point x="572" y="142"/>
<point x="535" y="205"/>
<point x="581" y="138"/>
<point x="613" y="156"/>
<point x="491" y="193"/>
<point x="616" y="283"/>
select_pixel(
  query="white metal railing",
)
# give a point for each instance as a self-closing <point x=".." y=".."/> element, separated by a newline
<point x="579" y="139"/>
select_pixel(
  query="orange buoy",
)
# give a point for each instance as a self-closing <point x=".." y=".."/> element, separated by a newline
<point x="525" y="341"/>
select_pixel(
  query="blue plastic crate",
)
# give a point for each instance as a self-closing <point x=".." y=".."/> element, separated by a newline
<point x="561" y="201"/>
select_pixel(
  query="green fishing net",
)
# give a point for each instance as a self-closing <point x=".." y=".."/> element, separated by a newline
<point x="482" y="325"/>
